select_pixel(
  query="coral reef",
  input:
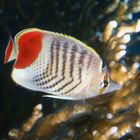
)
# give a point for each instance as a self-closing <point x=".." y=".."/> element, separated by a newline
<point x="112" y="28"/>
<point x="112" y="116"/>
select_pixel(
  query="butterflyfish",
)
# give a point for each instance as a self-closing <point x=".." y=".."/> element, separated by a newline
<point x="57" y="64"/>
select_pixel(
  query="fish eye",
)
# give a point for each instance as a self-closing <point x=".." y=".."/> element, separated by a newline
<point x="104" y="84"/>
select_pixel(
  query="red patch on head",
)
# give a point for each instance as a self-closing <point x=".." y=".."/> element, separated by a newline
<point x="8" y="50"/>
<point x="29" y="47"/>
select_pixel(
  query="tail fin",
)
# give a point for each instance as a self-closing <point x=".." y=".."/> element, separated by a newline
<point x="10" y="53"/>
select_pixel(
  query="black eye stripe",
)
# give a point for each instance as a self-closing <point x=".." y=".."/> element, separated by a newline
<point x="103" y="65"/>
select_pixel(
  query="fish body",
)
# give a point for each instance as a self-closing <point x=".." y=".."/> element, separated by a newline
<point x="57" y="64"/>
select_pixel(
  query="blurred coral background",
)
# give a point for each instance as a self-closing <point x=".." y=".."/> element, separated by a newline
<point x="112" y="116"/>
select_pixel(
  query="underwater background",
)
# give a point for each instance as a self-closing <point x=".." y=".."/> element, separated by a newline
<point x="112" y="116"/>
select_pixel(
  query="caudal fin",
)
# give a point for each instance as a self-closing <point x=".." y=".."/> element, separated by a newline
<point x="10" y="53"/>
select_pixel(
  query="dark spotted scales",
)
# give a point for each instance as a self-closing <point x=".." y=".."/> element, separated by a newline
<point x="44" y="79"/>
